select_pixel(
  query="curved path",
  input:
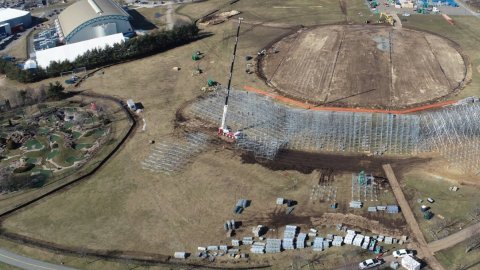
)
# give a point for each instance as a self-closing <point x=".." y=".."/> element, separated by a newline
<point x="27" y="263"/>
<point x="307" y="106"/>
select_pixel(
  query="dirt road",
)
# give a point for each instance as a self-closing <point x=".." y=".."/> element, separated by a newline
<point x="455" y="238"/>
<point x="410" y="218"/>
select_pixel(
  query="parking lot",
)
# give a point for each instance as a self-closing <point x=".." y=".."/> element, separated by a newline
<point x="383" y="6"/>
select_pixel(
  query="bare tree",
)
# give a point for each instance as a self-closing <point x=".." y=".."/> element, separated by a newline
<point x="473" y="242"/>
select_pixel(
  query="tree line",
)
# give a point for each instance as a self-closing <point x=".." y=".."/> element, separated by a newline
<point x="135" y="48"/>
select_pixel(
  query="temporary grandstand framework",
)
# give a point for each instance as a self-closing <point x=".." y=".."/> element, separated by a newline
<point x="173" y="157"/>
<point x="270" y="127"/>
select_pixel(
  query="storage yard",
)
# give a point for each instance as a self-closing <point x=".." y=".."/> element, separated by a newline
<point x="301" y="184"/>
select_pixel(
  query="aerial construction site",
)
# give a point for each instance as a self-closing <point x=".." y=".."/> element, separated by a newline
<point x="290" y="135"/>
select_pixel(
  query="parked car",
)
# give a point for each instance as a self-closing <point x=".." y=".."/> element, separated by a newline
<point x="430" y="200"/>
<point x="369" y="263"/>
<point x="401" y="253"/>
<point x="406" y="14"/>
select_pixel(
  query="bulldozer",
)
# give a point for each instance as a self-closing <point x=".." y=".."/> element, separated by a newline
<point x="387" y="18"/>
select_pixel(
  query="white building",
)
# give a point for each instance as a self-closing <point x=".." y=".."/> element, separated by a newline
<point x="15" y="18"/>
<point x="89" y="19"/>
<point x="410" y="263"/>
<point x="71" y="51"/>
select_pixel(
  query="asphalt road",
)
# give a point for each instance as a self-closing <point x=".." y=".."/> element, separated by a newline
<point x="27" y="263"/>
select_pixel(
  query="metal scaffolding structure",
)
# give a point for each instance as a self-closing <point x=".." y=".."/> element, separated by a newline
<point x="269" y="127"/>
<point x="454" y="133"/>
<point x="173" y="157"/>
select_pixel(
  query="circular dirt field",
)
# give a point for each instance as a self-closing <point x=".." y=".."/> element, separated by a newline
<point x="363" y="65"/>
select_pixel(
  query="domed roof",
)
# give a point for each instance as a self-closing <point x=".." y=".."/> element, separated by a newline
<point x="30" y="64"/>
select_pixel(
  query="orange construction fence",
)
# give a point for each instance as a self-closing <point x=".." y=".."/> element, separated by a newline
<point x="340" y="109"/>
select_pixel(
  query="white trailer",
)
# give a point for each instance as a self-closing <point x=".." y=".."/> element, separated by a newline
<point x="131" y="105"/>
<point x="410" y="263"/>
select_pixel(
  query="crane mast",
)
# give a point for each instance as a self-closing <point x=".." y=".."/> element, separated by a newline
<point x="225" y="107"/>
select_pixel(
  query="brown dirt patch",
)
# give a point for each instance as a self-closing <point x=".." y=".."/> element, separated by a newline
<point x="369" y="66"/>
<point x="307" y="162"/>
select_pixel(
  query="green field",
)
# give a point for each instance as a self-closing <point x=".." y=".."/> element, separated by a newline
<point x="455" y="207"/>
<point x="455" y="258"/>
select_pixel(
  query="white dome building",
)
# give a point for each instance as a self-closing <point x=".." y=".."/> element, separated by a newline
<point x="30" y="64"/>
<point x="89" y="19"/>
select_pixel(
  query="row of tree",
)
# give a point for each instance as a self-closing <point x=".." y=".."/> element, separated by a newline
<point x="29" y="96"/>
<point x="141" y="46"/>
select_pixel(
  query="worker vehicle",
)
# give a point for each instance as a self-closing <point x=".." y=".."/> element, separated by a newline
<point x="430" y="200"/>
<point x="370" y="263"/>
<point x="227" y="132"/>
<point x="424" y="208"/>
<point x="387" y="18"/>
<point x="401" y="253"/>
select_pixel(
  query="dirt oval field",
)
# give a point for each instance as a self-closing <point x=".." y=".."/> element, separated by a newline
<point x="364" y="65"/>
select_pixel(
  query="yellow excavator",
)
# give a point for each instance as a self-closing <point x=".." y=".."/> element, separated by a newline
<point x="387" y="18"/>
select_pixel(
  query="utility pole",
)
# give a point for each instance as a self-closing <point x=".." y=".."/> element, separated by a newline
<point x="225" y="107"/>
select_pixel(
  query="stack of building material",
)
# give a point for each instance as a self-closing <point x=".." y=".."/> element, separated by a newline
<point x="259" y="230"/>
<point x="240" y="206"/>
<point x="356" y="204"/>
<point x="233" y="251"/>
<point x="349" y="237"/>
<point x="326" y="243"/>
<point x="358" y="241"/>
<point x="301" y="239"/>
<point x="258" y="247"/>
<point x="312" y="233"/>
<point x="380" y="238"/>
<point x="236" y="242"/>
<point x="288" y="243"/>
<point x="247" y="240"/>
<point x="229" y="225"/>
<point x="180" y="255"/>
<point x="280" y="201"/>
<point x="318" y="244"/>
<point x="330" y="236"/>
<point x="337" y="241"/>
<point x="212" y="248"/>
<point x="392" y="209"/>
<point x="289" y="236"/>
<point x="366" y="241"/>
<point x="388" y="240"/>
<point x="372" y="209"/>
<point x="223" y="248"/>
<point x="381" y="207"/>
<point x="290" y="231"/>
<point x="273" y="246"/>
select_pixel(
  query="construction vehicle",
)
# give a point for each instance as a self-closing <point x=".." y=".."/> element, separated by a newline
<point x="223" y="130"/>
<point x="387" y="18"/>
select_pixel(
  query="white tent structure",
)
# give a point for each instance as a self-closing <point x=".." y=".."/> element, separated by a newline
<point x="30" y="64"/>
<point x="72" y="51"/>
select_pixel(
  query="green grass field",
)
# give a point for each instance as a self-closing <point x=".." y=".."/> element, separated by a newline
<point x="455" y="258"/>
<point x="453" y="206"/>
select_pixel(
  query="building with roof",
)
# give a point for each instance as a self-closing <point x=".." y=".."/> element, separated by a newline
<point x="16" y="19"/>
<point x="71" y="51"/>
<point x="89" y="19"/>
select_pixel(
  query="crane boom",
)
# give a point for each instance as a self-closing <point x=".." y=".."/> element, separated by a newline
<point x="225" y="107"/>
